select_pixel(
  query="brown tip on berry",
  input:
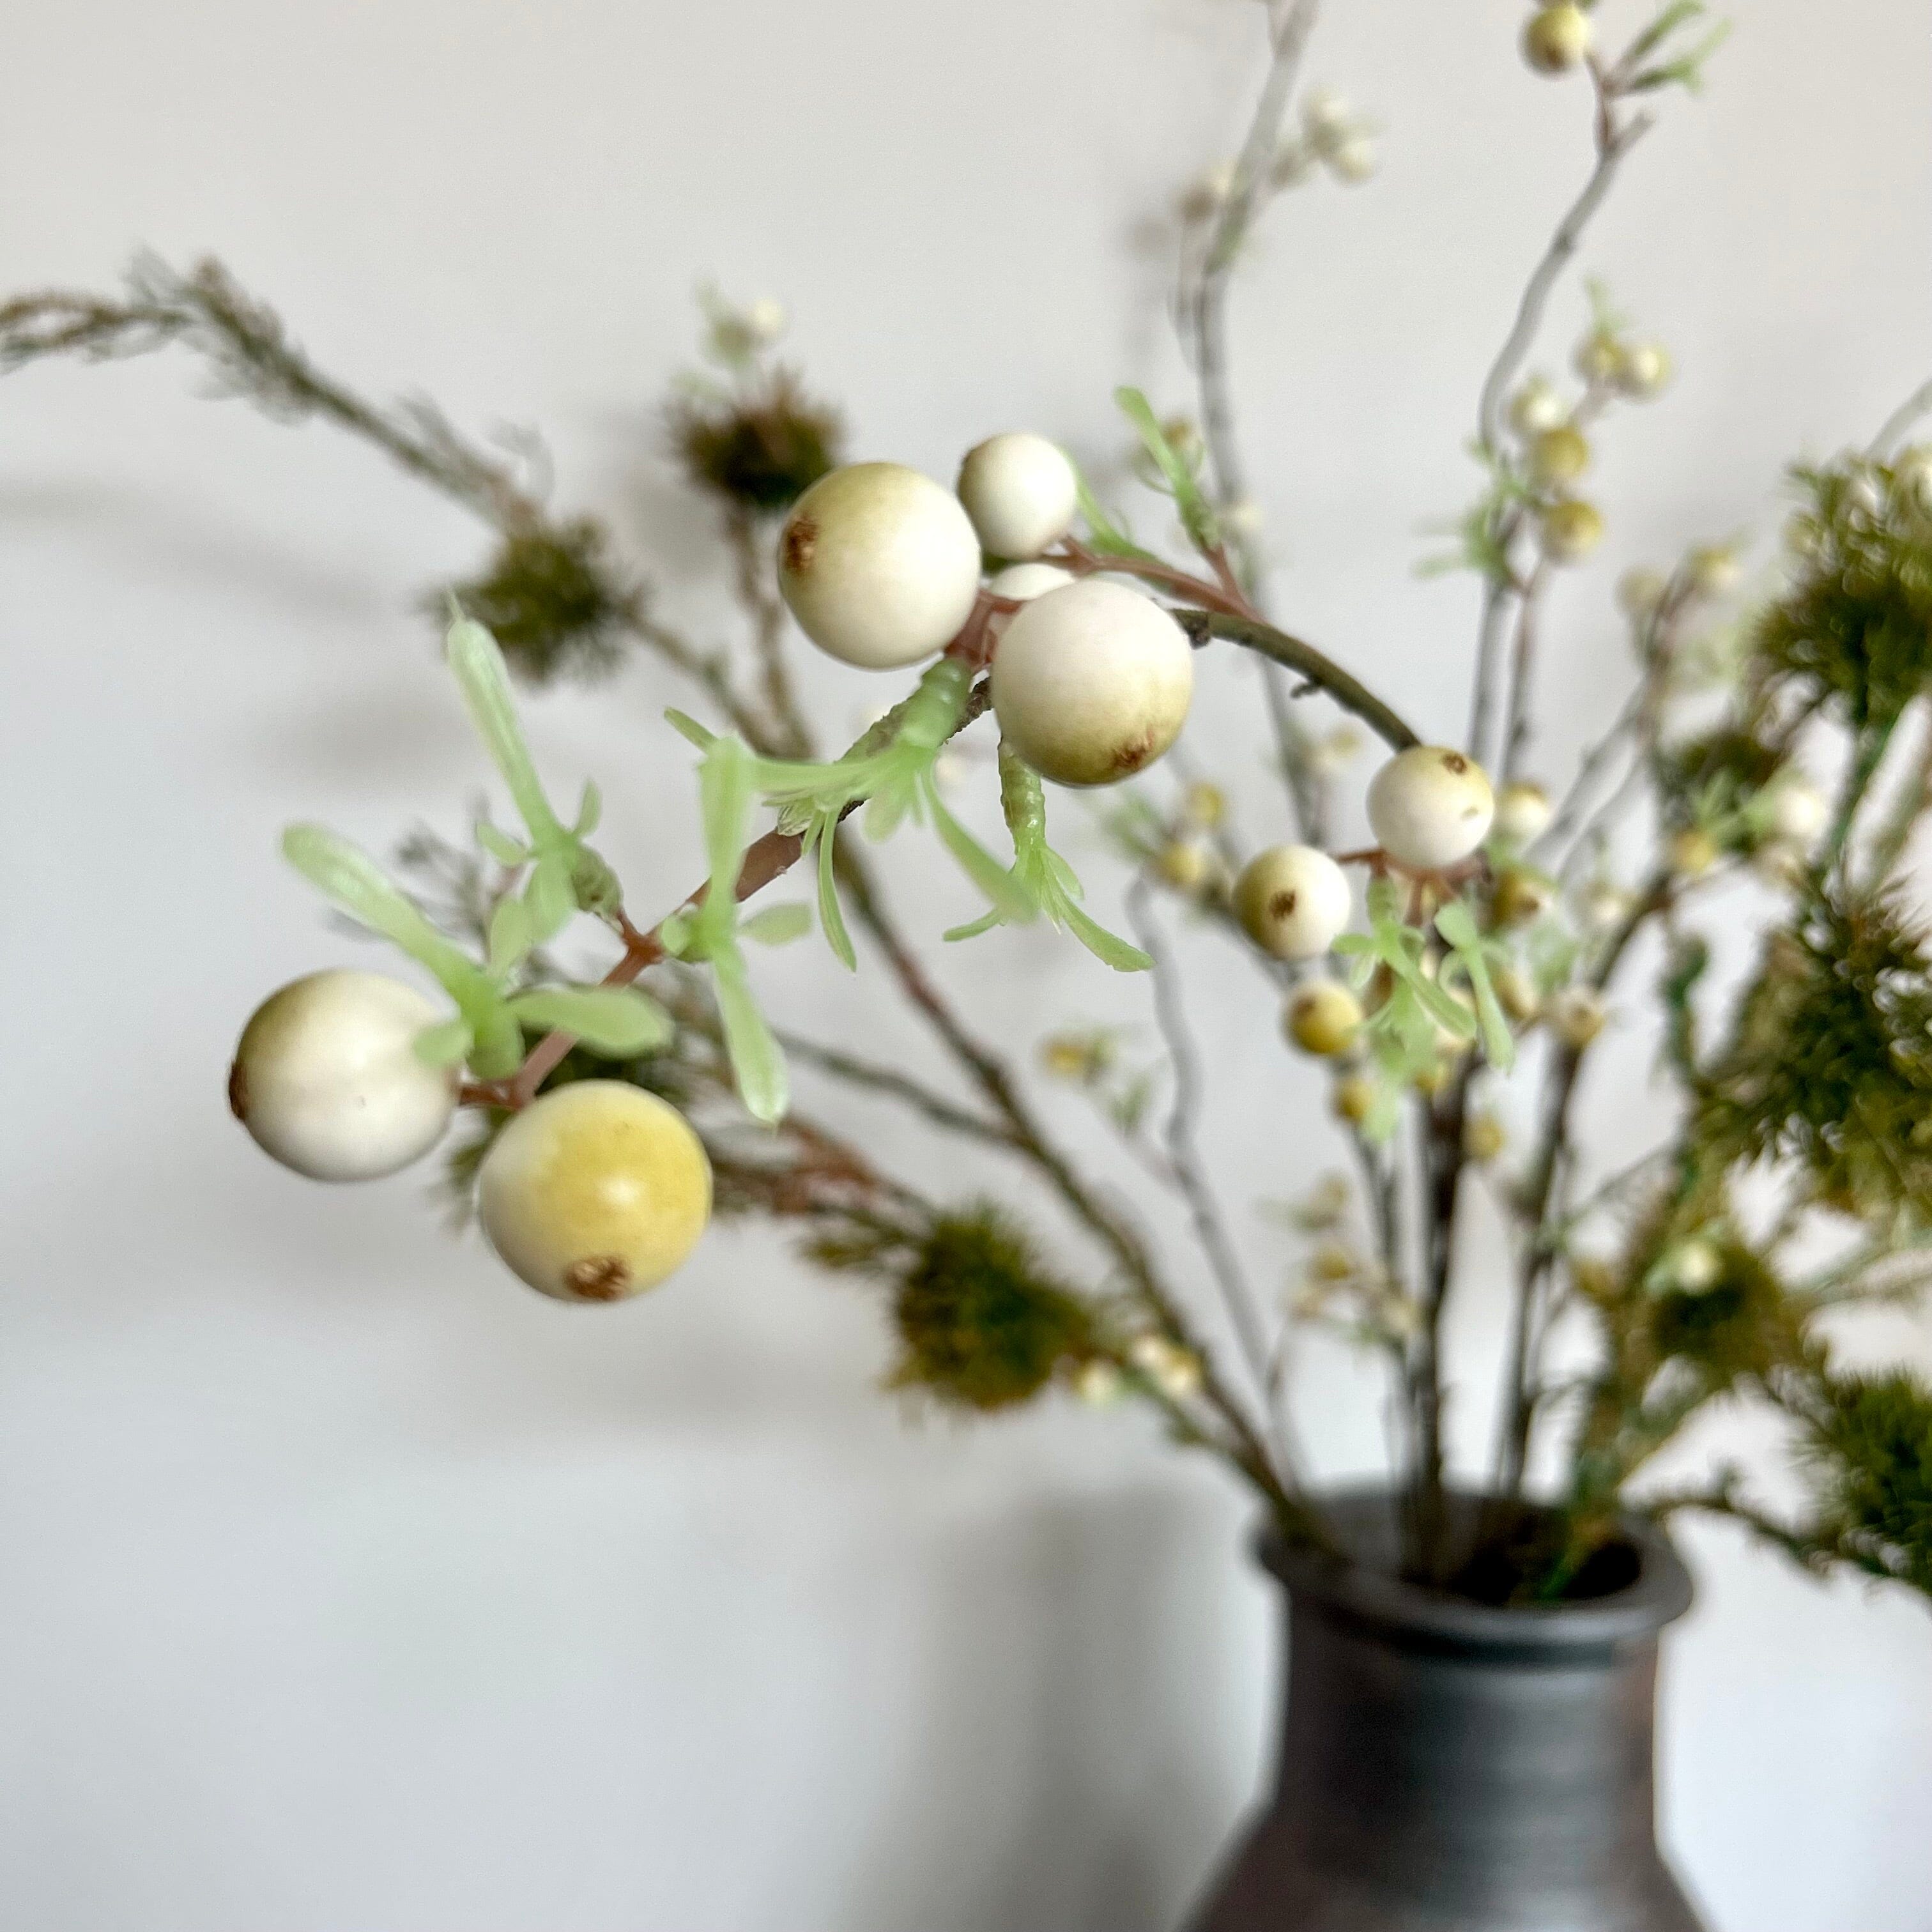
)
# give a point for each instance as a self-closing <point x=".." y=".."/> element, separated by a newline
<point x="1454" y="761"/>
<point x="1281" y="905"/>
<point x="238" y="1092"/>
<point x="597" y="1278"/>
<point x="799" y="545"/>
<point x="1132" y="755"/>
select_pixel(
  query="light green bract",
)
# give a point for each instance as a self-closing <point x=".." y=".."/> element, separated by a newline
<point x="566" y="874"/>
<point x="488" y="1029"/>
<point x="1048" y="879"/>
<point x="710" y="932"/>
<point x="891" y="771"/>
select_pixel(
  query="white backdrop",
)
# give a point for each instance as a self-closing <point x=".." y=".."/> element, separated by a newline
<point x="345" y="1587"/>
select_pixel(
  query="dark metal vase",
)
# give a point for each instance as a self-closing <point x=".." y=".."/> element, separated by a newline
<point x="1449" y="1767"/>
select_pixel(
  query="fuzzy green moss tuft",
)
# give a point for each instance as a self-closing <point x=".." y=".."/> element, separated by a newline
<point x="1831" y="1061"/>
<point x="1854" y="630"/>
<point x="982" y="1325"/>
<point x="762" y="451"/>
<point x="550" y="600"/>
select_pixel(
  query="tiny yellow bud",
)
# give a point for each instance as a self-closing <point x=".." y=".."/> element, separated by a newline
<point x="1323" y="1017"/>
<point x="1516" y="994"/>
<point x="1331" y="1261"/>
<point x="1572" y="529"/>
<point x="1355" y="1099"/>
<point x="1576" y="1016"/>
<point x="1559" y="456"/>
<point x="1098" y="1382"/>
<point x="1205" y="805"/>
<point x="1557" y="38"/>
<point x="1691" y="853"/>
<point x="1484" y="1138"/>
<point x="1520" y="897"/>
<point x="1643" y="369"/>
<point x="1599" y="358"/>
<point x="1714" y="570"/>
<point x="1184" y="864"/>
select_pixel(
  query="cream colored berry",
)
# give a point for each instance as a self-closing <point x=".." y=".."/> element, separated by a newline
<point x="1572" y="529"/>
<point x="1559" y="456"/>
<point x="1599" y="359"/>
<point x="1354" y="1098"/>
<point x="1799" y="809"/>
<point x="1091" y="683"/>
<point x="1692" y="852"/>
<point x="1023" y="582"/>
<point x="1020" y="491"/>
<point x="327" y="1079"/>
<point x="1185" y="864"/>
<point x="1430" y="807"/>
<point x="1523" y="811"/>
<point x="1520" y="897"/>
<point x="880" y="564"/>
<point x="1323" y="1018"/>
<point x="1714" y="570"/>
<point x="1293" y="900"/>
<point x="1576" y="1016"/>
<point x="1557" y="38"/>
<point x="595" y="1191"/>
<point x="1537" y="407"/>
<point x="1517" y="993"/>
<point x="1643" y="369"/>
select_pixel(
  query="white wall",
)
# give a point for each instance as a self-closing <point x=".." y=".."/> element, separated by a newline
<point x="343" y="1585"/>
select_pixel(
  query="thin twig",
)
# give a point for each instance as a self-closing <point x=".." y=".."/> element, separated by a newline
<point x="1183" y="1150"/>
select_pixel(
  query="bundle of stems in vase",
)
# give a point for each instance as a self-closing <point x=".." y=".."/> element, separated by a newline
<point x="1771" y="763"/>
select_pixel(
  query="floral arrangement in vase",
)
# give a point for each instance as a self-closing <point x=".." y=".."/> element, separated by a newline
<point x="593" y="1055"/>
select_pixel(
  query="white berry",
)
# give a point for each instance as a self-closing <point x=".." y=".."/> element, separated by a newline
<point x="1091" y="683"/>
<point x="1020" y="491"/>
<point x="1429" y="807"/>
<point x="327" y="1079"/>
<point x="595" y="1191"/>
<point x="1537" y="407"/>
<point x="1023" y="582"/>
<point x="1293" y="900"/>
<point x="880" y="566"/>
<point x="1522" y="812"/>
<point x="1643" y="369"/>
<point x="1799" y="810"/>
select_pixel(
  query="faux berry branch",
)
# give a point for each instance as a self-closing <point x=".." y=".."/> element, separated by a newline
<point x="1468" y="958"/>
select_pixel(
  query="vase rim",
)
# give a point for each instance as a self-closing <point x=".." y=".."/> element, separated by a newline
<point x="1367" y="1591"/>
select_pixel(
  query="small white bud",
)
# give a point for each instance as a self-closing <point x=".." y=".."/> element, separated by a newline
<point x="1537" y="407"/>
<point x="1354" y="160"/>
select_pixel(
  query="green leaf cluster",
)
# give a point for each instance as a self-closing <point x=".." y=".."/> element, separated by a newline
<point x="1176" y="479"/>
<point x="1046" y="881"/>
<point x="488" y="1028"/>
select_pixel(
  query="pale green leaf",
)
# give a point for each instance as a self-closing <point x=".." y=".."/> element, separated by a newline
<point x="757" y="1064"/>
<point x="446" y="1044"/>
<point x="615" y="1020"/>
<point x="777" y="924"/>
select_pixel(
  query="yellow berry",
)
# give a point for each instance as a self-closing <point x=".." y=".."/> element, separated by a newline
<point x="1692" y="852"/>
<point x="1355" y="1099"/>
<point x="1557" y="38"/>
<point x="595" y="1191"/>
<point x="1572" y="529"/>
<point x="1559" y="456"/>
<point x="1184" y="864"/>
<point x="1323" y="1017"/>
